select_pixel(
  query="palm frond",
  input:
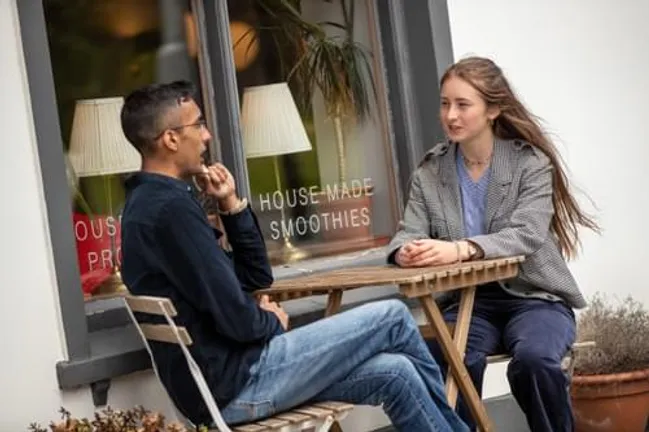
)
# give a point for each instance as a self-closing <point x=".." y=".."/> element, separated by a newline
<point x="332" y="24"/>
<point x="337" y="66"/>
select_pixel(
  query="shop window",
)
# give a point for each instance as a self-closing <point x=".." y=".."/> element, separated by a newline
<point x="100" y="51"/>
<point x="321" y="186"/>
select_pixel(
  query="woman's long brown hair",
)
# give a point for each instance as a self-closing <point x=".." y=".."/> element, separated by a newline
<point x="516" y="122"/>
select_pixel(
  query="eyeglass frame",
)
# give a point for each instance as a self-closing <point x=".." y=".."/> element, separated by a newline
<point x="201" y="123"/>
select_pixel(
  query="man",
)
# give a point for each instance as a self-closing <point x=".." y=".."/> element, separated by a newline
<point x="370" y="355"/>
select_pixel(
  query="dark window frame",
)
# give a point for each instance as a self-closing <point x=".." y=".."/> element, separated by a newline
<point x="100" y="344"/>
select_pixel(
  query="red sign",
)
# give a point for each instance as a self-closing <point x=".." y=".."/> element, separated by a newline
<point x="99" y="242"/>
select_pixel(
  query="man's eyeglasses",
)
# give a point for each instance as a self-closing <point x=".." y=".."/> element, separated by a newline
<point x="200" y="123"/>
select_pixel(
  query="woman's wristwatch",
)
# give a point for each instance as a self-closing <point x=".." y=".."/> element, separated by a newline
<point x="474" y="251"/>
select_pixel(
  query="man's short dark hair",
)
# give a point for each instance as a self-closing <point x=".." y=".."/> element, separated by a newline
<point x="144" y="114"/>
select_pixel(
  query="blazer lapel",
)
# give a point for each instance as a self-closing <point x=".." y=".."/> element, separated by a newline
<point x="449" y="193"/>
<point x="501" y="178"/>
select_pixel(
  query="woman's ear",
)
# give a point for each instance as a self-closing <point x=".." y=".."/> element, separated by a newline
<point x="493" y="111"/>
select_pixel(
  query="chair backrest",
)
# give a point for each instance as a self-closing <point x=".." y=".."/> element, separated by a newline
<point x="171" y="333"/>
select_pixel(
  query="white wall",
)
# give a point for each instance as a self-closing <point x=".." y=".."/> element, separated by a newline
<point x="28" y="311"/>
<point x="582" y="66"/>
<point x="31" y="334"/>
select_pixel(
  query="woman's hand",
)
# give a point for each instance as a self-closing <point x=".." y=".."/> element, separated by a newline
<point x="427" y="252"/>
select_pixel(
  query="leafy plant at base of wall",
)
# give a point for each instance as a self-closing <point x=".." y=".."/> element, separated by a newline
<point x="135" y="420"/>
<point x="621" y="335"/>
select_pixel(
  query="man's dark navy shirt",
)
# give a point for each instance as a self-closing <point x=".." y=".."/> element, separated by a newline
<point x="169" y="249"/>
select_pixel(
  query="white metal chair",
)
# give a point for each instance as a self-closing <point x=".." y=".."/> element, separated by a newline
<point x="567" y="364"/>
<point x="315" y="417"/>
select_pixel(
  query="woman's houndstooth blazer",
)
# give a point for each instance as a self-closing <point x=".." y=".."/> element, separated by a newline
<point x="517" y="216"/>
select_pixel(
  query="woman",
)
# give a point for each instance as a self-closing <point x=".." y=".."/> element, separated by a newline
<point x="495" y="189"/>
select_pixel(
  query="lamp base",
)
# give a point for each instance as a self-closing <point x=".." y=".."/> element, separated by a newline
<point x="112" y="285"/>
<point x="291" y="253"/>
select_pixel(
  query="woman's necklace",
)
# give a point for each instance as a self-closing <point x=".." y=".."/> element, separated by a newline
<point x="476" y="162"/>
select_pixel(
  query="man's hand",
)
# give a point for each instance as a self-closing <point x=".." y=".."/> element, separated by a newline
<point x="429" y="252"/>
<point x="275" y="308"/>
<point x="217" y="182"/>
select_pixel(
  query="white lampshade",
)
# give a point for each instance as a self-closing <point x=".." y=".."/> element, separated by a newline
<point x="271" y="122"/>
<point x="97" y="144"/>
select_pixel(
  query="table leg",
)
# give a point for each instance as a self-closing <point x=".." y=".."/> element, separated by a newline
<point x="460" y="338"/>
<point x="333" y="306"/>
<point x="333" y="302"/>
<point x="456" y="364"/>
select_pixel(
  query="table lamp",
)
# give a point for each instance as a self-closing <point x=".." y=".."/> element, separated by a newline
<point x="98" y="147"/>
<point x="271" y="126"/>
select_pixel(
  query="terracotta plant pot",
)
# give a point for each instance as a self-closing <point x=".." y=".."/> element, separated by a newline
<point x="616" y="402"/>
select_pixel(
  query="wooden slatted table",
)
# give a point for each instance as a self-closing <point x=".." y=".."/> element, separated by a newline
<point x="419" y="283"/>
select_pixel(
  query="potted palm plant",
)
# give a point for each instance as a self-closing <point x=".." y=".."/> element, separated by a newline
<point x="610" y="386"/>
<point x="338" y="67"/>
<point x="313" y="60"/>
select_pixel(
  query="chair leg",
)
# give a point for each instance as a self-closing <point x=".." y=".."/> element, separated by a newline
<point x="571" y="363"/>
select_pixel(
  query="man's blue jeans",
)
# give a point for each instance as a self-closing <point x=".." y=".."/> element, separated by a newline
<point x="370" y="355"/>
